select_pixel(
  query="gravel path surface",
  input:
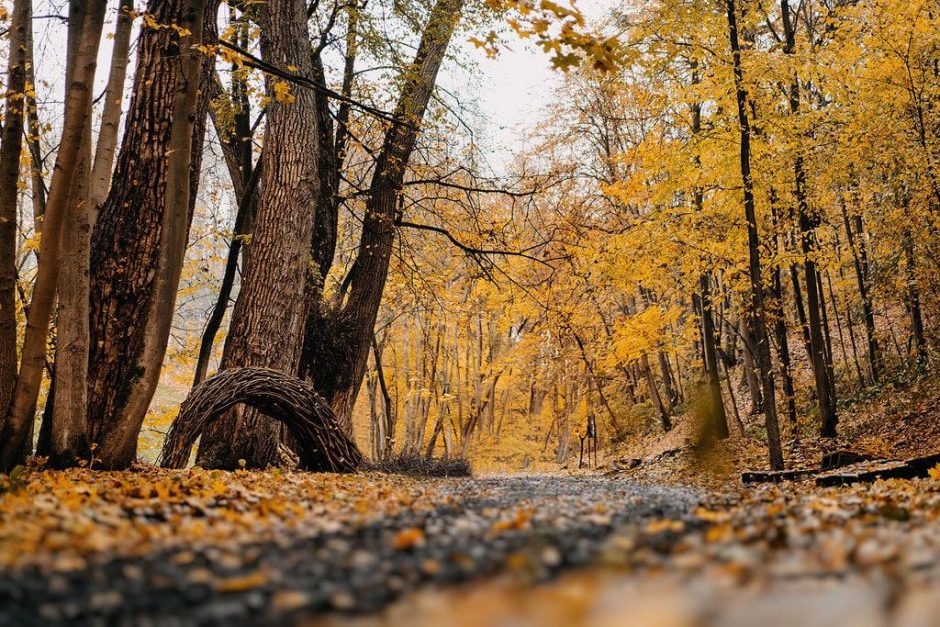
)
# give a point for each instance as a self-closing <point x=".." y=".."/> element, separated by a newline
<point x="544" y="524"/>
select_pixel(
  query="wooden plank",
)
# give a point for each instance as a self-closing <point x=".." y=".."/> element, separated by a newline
<point x="777" y="476"/>
<point x="888" y="470"/>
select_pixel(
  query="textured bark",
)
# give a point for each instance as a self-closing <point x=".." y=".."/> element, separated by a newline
<point x="18" y="421"/>
<point x="267" y="320"/>
<point x="136" y="253"/>
<point x="754" y="262"/>
<point x="68" y="429"/>
<point x="322" y="445"/>
<point x="11" y="143"/>
<point x="237" y="150"/>
<point x="336" y="346"/>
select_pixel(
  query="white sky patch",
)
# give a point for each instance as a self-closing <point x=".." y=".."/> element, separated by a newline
<point x="511" y="91"/>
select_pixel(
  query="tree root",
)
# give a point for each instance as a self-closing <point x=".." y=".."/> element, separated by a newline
<point x="323" y="446"/>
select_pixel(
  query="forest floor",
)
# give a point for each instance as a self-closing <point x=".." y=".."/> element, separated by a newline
<point x="193" y="547"/>
<point x="676" y="541"/>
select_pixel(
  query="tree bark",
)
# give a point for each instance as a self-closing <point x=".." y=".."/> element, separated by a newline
<point x="859" y="247"/>
<point x="68" y="431"/>
<point x="267" y="320"/>
<point x="11" y="144"/>
<point x="140" y="236"/>
<point x="18" y="421"/>
<point x="754" y="262"/>
<point x="336" y="345"/>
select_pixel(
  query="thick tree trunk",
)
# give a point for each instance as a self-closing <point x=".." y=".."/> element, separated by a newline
<point x="754" y="262"/>
<point x="140" y="236"/>
<point x="11" y="143"/>
<point x="337" y="341"/>
<point x="267" y="320"/>
<point x="18" y="421"/>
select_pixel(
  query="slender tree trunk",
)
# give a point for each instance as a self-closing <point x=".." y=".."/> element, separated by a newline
<point x="33" y="134"/>
<point x="657" y="399"/>
<point x="822" y="371"/>
<point x="752" y="376"/>
<point x="78" y="103"/>
<point x="849" y="328"/>
<point x="913" y="298"/>
<point x="11" y="144"/>
<point x="247" y="206"/>
<point x="754" y="265"/>
<point x="713" y="378"/>
<point x="780" y="324"/>
<point x="68" y="441"/>
<point x="859" y="249"/>
<point x="671" y="393"/>
<point x="106" y="145"/>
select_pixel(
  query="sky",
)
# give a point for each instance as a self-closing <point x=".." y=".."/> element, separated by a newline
<point x="513" y="90"/>
<point x="504" y="97"/>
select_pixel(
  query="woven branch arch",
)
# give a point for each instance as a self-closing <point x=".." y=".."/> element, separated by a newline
<point x="324" y="446"/>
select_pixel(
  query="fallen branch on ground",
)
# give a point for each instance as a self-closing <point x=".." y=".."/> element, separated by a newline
<point x="323" y="446"/>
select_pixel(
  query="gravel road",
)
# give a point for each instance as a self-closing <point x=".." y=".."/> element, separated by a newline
<point x="540" y="524"/>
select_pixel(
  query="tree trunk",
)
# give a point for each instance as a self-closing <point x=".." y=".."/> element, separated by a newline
<point x="657" y="399"/>
<point x="267" y="320"/>
<point x="11" y="144"/>
<point x="336" y="361"/>
<point x="822" y="369"/>
<point x="859" y="249"/>
<point x="780" y="329"/>
<point x="754" y="263"/>
<point x="752" y="375"/>
<point x="140" y="236"/>
<point x="913" y="298"/>
<point x="68" y="431"/>
<point x="717" y="406"/>
<point x="78" y="104"/>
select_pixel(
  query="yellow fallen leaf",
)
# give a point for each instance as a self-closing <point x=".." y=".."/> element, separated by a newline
<point x="408" y="538"/>
<point x="244" y="582"/>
